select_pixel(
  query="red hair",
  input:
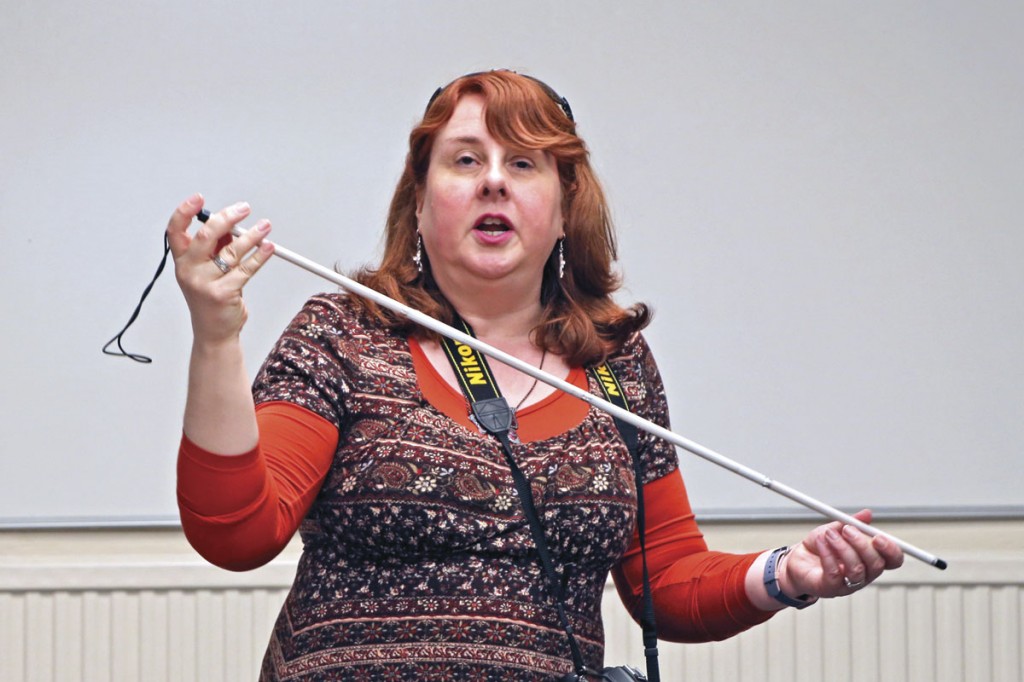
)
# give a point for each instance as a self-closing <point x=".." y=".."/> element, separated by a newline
<point x="579" y="319"/>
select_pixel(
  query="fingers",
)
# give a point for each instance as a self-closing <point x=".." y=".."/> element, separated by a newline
<point x="861" y="562"/>
<point x="234" y="249"/>
<point x="237" y="257"/>
<point x="212" y="235"/>
<point x="181" y="219"/>
<point x="212" y="262"/>
<point x="214" y="250"/>
<point x="864" y="515"/>
<point x="862" y="558"/>
<point x="205" y="245"/>
<point x="252" y="239"/>
<point x="889" y="551"/>
<point x="831" y="565"/>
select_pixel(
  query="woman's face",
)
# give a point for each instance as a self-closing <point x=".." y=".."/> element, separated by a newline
<point x="487" y="212"/>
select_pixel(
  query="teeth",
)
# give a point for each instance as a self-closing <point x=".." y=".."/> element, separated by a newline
<point x="494" y="223"/>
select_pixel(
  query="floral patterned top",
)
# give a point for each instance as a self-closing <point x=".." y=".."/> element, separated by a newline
<point x="418" y="562"/>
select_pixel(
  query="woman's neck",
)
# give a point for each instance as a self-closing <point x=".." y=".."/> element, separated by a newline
<point x="498" y="315"/>
<point x="496" y="323"/>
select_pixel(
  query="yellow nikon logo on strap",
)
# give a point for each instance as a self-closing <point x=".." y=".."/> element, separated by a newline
<point x="608" y="381"/>
<point x="469" y="365"/>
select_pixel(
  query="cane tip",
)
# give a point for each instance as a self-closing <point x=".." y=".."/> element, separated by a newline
<point x="940" y="564"/>
<point x="203" y="215"/>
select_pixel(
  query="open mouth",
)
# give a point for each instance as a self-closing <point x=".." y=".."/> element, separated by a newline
<point x="492" y="226"/>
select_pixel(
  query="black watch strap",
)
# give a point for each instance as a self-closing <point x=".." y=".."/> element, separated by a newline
<point x="771" y="582"/>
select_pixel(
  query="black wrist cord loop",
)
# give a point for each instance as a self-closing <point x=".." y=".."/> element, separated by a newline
<point x="149" y="287"/>
<point x="203" y="216"/>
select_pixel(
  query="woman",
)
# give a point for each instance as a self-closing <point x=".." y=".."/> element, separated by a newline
<point x="418" y="562"/>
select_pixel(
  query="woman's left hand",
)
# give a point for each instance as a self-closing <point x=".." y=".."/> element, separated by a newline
<point x="837" y="559"/>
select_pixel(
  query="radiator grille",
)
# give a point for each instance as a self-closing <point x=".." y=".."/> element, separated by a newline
<point x="188" y="621"/>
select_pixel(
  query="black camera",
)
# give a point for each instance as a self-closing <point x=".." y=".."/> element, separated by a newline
<point x="620" y="673"/>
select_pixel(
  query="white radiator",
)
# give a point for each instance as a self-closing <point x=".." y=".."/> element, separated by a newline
<point x="166" y="616"/>
<point x="897" y="633"/>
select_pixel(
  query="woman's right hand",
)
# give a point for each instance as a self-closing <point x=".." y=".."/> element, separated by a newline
<point x="214" y="297"/>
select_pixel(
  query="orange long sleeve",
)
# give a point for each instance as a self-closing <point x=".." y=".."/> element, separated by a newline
<point x="699" y="595"/>
<point x="240" y="511"/>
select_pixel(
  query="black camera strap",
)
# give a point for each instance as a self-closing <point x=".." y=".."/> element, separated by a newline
<point x="492" y="413"/>
<point x="614" y="394"/>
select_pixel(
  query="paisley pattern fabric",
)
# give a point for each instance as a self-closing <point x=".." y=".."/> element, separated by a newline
<point x="418" y="562"/>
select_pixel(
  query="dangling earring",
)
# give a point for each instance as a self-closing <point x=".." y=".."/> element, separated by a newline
<point x="418" y="258"/>
<point x="561" y="258"/>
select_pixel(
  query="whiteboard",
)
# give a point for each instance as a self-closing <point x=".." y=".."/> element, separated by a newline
<point x="820" y="200"/>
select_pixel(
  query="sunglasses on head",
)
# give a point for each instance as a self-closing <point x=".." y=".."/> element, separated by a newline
<point x="562" y="102"/>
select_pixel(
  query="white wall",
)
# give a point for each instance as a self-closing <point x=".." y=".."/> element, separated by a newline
<point x="820" y="200"/>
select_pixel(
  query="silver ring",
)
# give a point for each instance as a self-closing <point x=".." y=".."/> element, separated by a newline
<point x="852" y="585"/>
<point x="221" y="264"/>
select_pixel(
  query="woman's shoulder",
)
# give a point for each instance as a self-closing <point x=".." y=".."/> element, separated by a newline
<point x="338" y="323"/>
<point x="634" y="350"/>
<point x="338" y="311"/>
<point x="331" y="337"/>
<point x="634" y="366"/>
<point x="337" y="305"/>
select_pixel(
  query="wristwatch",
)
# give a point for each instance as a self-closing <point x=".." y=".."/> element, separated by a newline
<point x="771" y="582"/>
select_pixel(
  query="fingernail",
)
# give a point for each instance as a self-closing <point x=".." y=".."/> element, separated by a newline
<point x="881" y="542"/>
<point x="263" y="226"/>
<point x="241" y="208"/>
<point x="832" y="535"/>
<point x="851" y="532"/>
<point x="195" y="199"/>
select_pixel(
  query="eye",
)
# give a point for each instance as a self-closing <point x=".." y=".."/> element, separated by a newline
<point x="464" y="160"/>
<point x="522" y="164"/>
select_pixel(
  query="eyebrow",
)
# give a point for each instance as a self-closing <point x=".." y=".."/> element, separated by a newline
<point x="474" y="140"/>
<point x="461" y="139"/>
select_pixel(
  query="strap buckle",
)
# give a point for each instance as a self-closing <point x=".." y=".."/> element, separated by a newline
<point x="493" y="415"/>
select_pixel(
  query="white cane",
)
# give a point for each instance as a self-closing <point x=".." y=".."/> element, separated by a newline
<point x="641" y="423"/>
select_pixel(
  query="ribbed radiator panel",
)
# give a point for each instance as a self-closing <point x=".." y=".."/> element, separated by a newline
<point x="887" y="634"/>
<point x="166" y="616"/>
<point x="168" y="635"/>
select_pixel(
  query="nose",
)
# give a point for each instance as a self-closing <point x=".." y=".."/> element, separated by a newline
<point x="494" y="183"/>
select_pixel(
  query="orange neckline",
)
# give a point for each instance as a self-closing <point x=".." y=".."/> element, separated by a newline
<point x="555" y="414"/>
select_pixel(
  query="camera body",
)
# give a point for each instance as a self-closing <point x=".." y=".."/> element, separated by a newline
<point x="623" y="673"/>
<point x="620" y="673"/>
